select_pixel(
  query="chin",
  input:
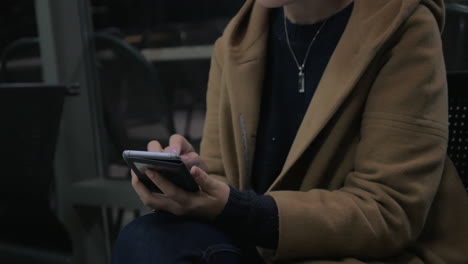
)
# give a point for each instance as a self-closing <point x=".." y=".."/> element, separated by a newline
<point x="274" y="3"/>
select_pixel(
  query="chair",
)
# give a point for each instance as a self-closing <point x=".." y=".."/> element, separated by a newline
<point x="455" y="35"/>
<point x="30" y="231"/>
<point x="458" y="119"/>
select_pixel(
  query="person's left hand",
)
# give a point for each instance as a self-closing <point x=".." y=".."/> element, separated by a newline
<point x="205" y="204"/>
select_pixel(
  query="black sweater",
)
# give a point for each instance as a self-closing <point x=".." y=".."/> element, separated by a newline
<point x="282" y="111"/>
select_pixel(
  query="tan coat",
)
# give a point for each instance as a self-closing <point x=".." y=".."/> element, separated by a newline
<point x="366" y="179"/>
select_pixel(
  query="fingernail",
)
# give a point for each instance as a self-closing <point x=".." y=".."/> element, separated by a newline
<point x="173" y="150"/>
<point x="184" y="157"/>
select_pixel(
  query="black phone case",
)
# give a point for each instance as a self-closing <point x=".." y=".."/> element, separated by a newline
<point x="174" y="171"/>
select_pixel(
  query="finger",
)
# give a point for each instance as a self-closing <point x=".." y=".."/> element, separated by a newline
<point x="154" y="146"/>
<point x="168" y="188"/>
<point x="208" y="184"/>
<point x="180" y="144"/>
<point x="193" y="159"/>
<point x="153" y="200"/>
<point x="140" y="188"/>
<point x="143" y="192"/>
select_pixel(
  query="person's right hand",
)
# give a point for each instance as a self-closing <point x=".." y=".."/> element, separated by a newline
<point x="207" y="203"/>
<point x="179" y="145"/>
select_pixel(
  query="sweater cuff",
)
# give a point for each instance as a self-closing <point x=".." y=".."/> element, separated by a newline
<point x="253" y="217"/>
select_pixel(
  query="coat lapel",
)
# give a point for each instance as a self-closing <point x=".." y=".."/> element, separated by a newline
<point x="246" y="100"/>
<point x="245" y="77"/>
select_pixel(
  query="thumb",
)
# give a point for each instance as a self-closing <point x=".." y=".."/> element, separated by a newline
<point x="208" y="184"/>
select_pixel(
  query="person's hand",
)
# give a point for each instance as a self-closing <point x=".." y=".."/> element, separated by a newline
<point x="179" y="145"/>
<point x="207" y="203"/>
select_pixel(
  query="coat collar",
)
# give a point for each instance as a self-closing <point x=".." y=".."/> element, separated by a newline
<point x="246" y="43"/>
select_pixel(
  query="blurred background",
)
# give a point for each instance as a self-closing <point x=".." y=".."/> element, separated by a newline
<point x="83" y="80"/>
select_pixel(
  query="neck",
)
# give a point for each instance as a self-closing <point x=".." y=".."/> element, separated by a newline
<point x="313" y="11"/>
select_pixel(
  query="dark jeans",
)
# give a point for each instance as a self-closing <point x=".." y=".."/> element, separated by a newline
<point x="165" y="238"/>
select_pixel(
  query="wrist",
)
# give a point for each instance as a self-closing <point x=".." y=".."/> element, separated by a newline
<point x="253" y="217"/>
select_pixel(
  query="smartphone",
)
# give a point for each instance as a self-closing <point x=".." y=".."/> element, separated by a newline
<point x="168" y="165"/>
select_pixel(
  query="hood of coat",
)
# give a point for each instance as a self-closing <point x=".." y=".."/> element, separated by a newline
<point x="379" y="18"/>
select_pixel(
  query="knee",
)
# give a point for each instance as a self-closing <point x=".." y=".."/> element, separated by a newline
<point x="164" y="236"/>
<point x="138" y="235"/>
<point x="144" y="228"/>
<point x="134" y="229"/>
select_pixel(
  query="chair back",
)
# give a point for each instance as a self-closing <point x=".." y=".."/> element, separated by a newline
<point x="455" y="35"/>
<point x="30" y="115"/>
<point x="458" y="119"/>
<point x="30" y="232"/>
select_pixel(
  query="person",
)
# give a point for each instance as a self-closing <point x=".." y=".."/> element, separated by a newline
<point x="324" y="142"/>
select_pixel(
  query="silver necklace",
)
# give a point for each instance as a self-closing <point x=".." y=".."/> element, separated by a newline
<point x="299" y="66"/>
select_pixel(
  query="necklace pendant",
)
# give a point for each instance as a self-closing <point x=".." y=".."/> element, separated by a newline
<point x="301" y="82"/>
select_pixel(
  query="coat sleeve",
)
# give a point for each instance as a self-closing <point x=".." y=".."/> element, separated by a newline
<point x="398" y="165"/>
<point x="210" y="145"/>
